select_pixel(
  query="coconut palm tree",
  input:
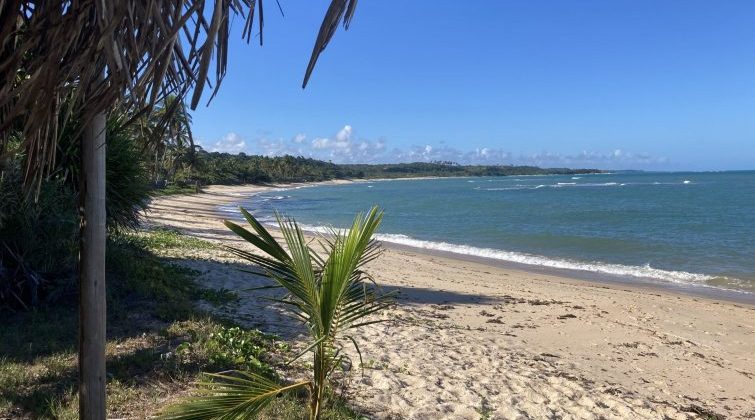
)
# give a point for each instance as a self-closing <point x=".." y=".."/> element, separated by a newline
<point x="165" y="134"/>
<point x="93" y="55"/>
<point x="330" y="294"/>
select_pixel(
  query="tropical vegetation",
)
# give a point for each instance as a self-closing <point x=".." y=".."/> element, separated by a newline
<point x="225" y="168"/>
<point x="329" y="293"/>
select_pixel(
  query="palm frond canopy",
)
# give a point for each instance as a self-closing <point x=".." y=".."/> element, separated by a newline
<point x="65" y="57"/>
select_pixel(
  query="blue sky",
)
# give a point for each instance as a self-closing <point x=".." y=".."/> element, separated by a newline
<point x="661" y="85"/>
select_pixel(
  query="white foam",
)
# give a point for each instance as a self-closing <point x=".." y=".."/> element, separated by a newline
<point x="557" y="185"/>
<point x="686" y="181"/>
<point x="642" y="272"/>
<point x="576" y="177"/>
<point x="645" y="271"/>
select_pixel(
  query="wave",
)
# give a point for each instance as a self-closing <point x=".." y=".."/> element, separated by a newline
<point x="580" y="185"/>
<point x="273" y="197"/>
<point x="642" y="272"/>
<point x="557" y="185"/>
<point x="645" y="271"/>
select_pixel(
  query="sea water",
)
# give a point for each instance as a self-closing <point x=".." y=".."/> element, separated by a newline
<point x="693" y="231"/>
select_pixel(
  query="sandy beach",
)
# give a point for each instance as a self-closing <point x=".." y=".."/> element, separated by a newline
<point x="469" y="340"/>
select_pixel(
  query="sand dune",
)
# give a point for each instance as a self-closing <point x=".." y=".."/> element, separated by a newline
<point x="468" y="340"/>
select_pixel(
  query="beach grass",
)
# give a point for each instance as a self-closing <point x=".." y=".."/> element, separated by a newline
<point x="174" y="189"/>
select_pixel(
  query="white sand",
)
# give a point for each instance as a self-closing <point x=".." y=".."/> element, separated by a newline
<point x="469" y="339"/>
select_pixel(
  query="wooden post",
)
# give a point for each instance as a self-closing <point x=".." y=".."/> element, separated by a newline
<point x="92" y="313"/>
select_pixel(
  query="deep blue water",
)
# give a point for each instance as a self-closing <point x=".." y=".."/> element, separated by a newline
<point x="689" y="230"/>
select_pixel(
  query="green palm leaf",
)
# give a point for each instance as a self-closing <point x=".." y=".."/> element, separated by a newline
<point x="228" y="397"/>
<point x="329" y="293"/>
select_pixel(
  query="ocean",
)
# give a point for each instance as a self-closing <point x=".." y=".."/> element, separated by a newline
<point x="693" y="232"/>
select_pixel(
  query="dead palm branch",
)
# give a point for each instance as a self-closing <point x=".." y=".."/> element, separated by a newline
<point x="97" y="54"/>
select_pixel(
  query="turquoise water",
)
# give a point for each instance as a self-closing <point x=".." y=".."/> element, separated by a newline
<point x="686" y="230"/>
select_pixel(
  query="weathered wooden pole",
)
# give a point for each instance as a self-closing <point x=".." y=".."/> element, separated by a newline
<point x="92" y="313"/>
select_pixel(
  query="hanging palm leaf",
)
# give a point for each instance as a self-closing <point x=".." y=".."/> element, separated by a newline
<point x="93" y="54"/>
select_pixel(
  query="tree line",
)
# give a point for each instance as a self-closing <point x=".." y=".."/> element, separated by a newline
<point x="224" y="168"/>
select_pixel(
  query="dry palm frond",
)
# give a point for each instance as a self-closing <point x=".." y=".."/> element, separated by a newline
<point x="92" y="55"/>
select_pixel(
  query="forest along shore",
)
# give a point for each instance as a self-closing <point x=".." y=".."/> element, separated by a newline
<point x="469" y="340"/>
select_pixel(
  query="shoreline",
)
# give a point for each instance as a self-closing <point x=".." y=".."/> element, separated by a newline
<point x="467" y="336"/>
<point x="614" y="280"/>
<point x="589" y="279"/>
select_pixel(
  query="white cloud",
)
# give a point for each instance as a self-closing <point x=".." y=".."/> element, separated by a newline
<point x="617" y="159"/>
<point x="230" y="143"/>
<point x="344" y="146"/>
<point x="320" y="143"/>
<point x="344" y="136"/>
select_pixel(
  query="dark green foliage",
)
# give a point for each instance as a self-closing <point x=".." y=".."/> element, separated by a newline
<point x="127" y="182"/>
<point x="175" y="189"/>
<point x="37" y="239"/>
<point x="39" y="229"/>
<point x="442" y="169"/>
<point x="225" y="168"/>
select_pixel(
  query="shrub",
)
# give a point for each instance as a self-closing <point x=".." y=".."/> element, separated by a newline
<point x="127" y="181"/>
<point x="37" y="239"/>
<point x="39" y="228"/>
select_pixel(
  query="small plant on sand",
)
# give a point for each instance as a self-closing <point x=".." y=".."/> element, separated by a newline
<point x="330" y="294"/>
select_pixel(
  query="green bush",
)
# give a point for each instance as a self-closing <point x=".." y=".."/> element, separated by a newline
<point x="37" y="239"/>
<point x="127" y="180"/>
<point x="39" y="228"/>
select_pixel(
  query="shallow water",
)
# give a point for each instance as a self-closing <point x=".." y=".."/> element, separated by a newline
<point x="691" y="230"/>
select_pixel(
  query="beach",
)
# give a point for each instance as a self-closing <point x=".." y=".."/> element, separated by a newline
<point x="474" y="340"/>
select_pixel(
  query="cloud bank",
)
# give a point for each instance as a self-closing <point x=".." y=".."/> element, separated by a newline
<point x="345" y="147"/>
